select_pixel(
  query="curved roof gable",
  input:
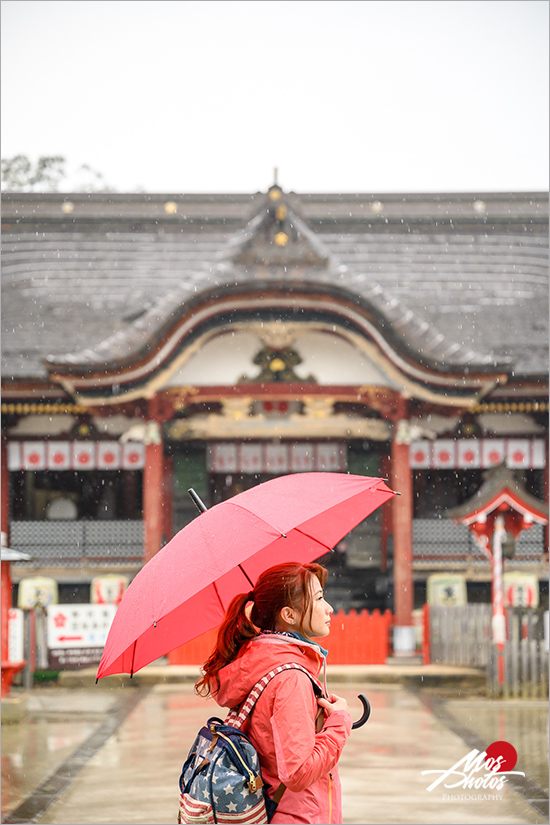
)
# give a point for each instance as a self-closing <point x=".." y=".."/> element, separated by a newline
<point x="277" y="252"/>
<point x="99" y="281"/>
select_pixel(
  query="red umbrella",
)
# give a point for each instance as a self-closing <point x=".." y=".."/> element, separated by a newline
<point x="185" y="589"/>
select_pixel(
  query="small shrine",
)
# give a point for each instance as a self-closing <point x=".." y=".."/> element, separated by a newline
<point x="501" y="494"/>
<point x="496" y="515"/>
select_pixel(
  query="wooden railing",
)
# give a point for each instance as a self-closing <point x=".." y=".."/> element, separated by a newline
<point x="463" y="636"/>
<point x="525" y="657"/>
<point x="355" y="638"/>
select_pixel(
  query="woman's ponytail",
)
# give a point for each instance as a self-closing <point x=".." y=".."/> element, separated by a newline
<point x="235" y="630"/>
<point x="280" y="586"/>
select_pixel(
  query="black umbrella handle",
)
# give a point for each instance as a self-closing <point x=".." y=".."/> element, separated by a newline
<point x="366" y="712"/>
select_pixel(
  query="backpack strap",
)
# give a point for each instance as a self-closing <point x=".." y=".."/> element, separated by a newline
<point x="237" y="717"/>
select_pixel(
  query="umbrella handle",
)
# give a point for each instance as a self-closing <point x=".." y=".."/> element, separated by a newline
<point x="366" y="712"/>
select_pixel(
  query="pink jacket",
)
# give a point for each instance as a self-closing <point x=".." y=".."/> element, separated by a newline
<point x="283" y="731"/>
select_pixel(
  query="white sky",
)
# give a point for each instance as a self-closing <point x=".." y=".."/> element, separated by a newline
<point x="357" y="96"/>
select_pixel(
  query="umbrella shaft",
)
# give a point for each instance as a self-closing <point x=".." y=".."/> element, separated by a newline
<point x="197" y="501"/>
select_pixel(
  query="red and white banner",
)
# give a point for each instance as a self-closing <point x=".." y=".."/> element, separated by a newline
<point x="471" y="453"/>
<point x="34" y="455"/>
<point x="108" y="455"/>
<point x="421" y="455"/>
<point x="83" y="455"/>
<point x="329" y="458"/>
<point x="75" y="455"/>
<point x="133" y="456"/>
<point x="222" y="458"/>
<point x="59" y="455"/>
<point x="251" y="458"/>
<point x="518" y="453"/>
<point x="302" y="458"/>
<point x="444" y="454"/>
<point x="276" y="459"/>
<point x="538" y="455"/>
<point x="493" y="452"/>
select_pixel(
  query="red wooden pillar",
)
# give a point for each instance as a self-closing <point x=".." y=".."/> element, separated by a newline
<point x="402" y="507"/>
<point x="153" y="488"/>
<point x="167" y="526"/>
<point x="546" y="495"/>
<point x="6" y="604"/>
<point x="386" y="516"/>
<point x="6" y="572"/>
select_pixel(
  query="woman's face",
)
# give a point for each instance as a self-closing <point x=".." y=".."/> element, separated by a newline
<point x="317" y="621"/>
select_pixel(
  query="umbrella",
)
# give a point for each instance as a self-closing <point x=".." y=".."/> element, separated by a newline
<point x="185" y="589"/>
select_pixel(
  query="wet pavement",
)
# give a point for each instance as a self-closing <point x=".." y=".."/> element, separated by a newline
<point x="113" y="755"/>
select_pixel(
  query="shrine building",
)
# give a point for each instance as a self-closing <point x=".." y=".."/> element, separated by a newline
<point x="152" y="343"/>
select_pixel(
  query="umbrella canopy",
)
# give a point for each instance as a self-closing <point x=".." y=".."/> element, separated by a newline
<point x="185" y="589"/>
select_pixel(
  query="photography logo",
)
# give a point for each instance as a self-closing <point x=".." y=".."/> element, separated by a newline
<point x="480" y="773"/>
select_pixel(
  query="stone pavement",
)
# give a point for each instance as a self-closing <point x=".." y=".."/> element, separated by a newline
<point x="112" y="753"/>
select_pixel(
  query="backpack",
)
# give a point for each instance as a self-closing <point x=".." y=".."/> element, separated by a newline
<point x="221" y="780"/>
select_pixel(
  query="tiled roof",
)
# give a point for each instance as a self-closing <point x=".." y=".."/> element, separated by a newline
<point x="462" y="278"/>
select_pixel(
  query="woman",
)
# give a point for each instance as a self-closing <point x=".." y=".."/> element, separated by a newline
<point x="299" y="738"/>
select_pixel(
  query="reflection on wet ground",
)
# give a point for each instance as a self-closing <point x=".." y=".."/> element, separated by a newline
<point x="522" y="723"/>
<point x="58" y="722"/>
<point x="114" y="756"/>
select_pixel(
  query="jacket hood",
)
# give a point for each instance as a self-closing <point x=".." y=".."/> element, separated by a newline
<point x="258" y="657"/>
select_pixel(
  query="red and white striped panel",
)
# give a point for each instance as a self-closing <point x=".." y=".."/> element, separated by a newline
<point x="302" y="458"/>
<point x="250" y="458"/>
<point x="518" y="453"/>
<point x="538" y="455"/>
<point x="444" y="454"/>
<point x="75" y="455"/>
<point x="329" y="457"/>
<point x="133" y="456"/>
<point x="235" y="457"/>
<point x="34" y="455"/>
<point x="195" y="810"/>
<point x="276" y="458"/>
<point x="59" y="455"/>
<point x="83" y="455"/>
<point x="236" y="717"/>
<point x="14" y="456"/>
<point x="222" y="457"/>
<point x="420" y="453"/>
<point x="466" y="453"/>
<point x="108" y="455"/>
<point x="469" y="453"/>
<point x="493" y="452"/>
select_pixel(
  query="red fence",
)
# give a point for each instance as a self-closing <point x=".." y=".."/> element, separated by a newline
<point x="355" y="639"/>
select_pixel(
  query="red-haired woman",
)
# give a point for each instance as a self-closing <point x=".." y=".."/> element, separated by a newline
<point x="299" y="738"/>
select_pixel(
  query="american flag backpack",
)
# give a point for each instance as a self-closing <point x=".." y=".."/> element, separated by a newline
<point x="221" y="780"/>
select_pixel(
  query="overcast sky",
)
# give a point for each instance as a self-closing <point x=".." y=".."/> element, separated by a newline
<point x="207" y="96"/>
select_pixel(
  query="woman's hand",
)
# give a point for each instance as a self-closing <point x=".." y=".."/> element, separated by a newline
<point x="333" y="703"/>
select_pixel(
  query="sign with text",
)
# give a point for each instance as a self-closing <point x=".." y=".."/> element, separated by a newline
<point x="77" y="634"/>
<point x="446" y="589"/>
<point x="16" y="634"/>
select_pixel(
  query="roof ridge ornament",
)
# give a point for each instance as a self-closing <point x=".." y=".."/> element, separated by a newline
<point x="277" y="236"/>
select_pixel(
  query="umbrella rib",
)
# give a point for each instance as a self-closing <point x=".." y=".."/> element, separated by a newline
<point x="313" y="538"/>
<point x="133" y="660"/>
<point x="243" y="571"/>
<point x="217" y="592"/>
